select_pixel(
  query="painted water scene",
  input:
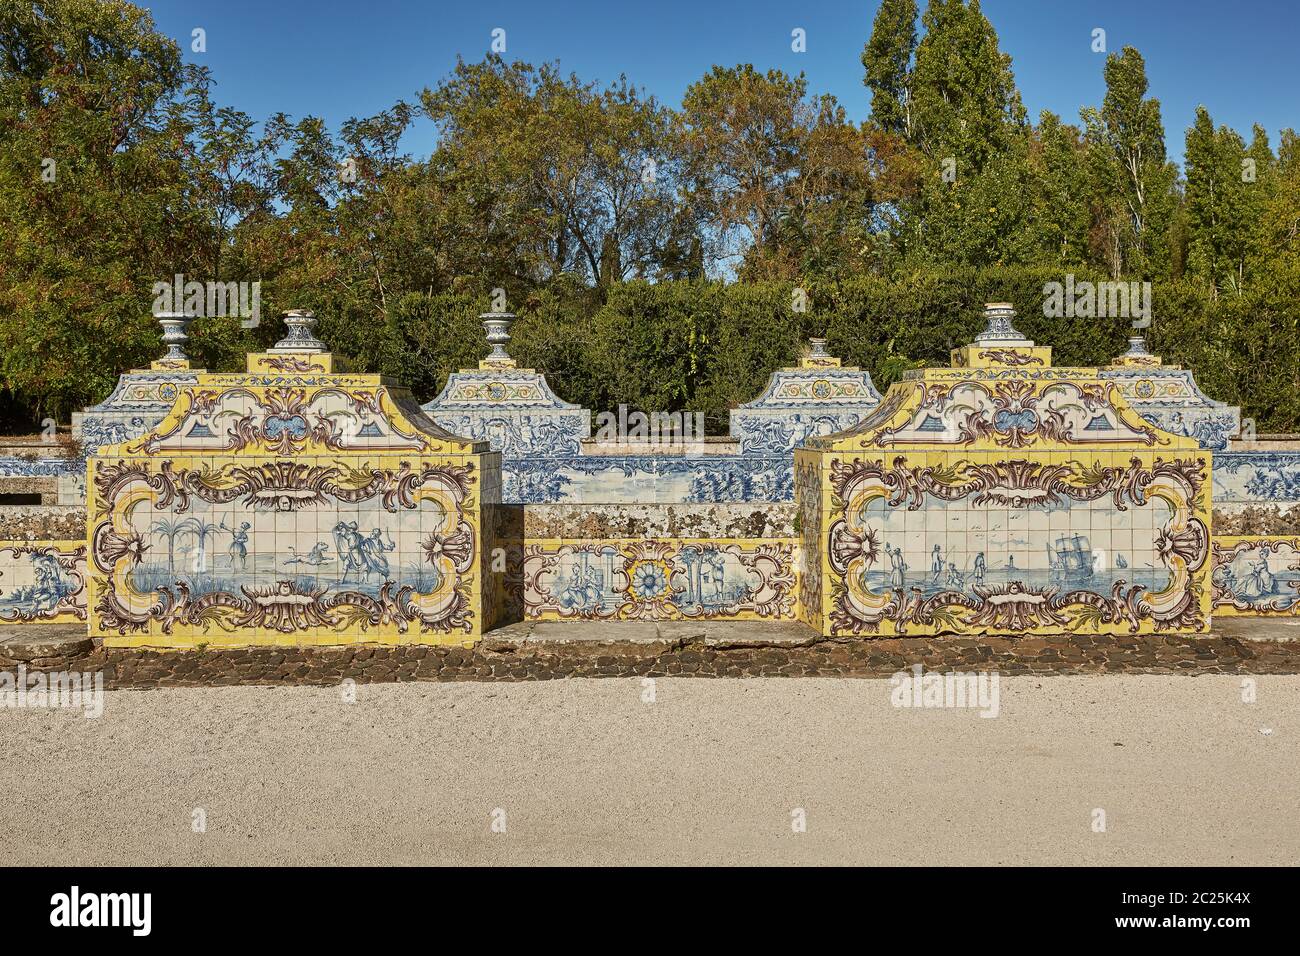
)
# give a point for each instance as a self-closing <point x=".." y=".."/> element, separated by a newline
<point x="596" y="581"/>
<point x="35" y="582"/>
<point x="1071" y="546"/>
<point x="343" y="547"/>
<point x="1263" y="575"/>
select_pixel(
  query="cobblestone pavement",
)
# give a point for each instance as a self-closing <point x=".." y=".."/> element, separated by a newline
<point x="546" y="651"/>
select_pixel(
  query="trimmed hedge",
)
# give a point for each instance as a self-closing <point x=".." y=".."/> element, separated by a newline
<point x="706" y="346"/>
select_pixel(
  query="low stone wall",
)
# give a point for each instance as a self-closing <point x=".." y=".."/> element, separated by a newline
<point x="42" y="523"/>
<point x="515" y="654"/>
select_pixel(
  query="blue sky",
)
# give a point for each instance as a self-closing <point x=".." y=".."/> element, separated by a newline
<point x="342" y="58"/>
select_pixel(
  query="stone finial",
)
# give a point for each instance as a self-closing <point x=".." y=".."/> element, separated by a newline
<point x="174" y="336"/>
<point x="300" y="323"/>
<point x="1137" y="354"/>
<point x="817" y="356"/>
<point x="998" y="328"/>
<point x="497" y="326"/>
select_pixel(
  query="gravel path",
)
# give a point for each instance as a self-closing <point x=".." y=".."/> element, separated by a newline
<point x="710" y="772"/>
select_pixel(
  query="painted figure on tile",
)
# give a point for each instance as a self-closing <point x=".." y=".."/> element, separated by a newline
<point x="583" y="589"/>
<point x="374" y="549"/>
<point x="362" y="554"/>
<point x="955" y="578"/>
<point x="712" y="574"/>
<point x="1257" y="580"/>
<point x="51" y="584"/>
<point x="980" y="568"/>
<point x="348" y="543"/>
<point x="897" y="577"/>
<point x="936" y="564"/>
<point x="238" y="549"/>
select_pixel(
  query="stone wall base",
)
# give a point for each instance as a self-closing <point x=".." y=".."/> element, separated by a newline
<point x="496" y="659"/>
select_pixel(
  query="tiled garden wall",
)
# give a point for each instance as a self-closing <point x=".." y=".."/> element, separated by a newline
<point x="42" y="581"/>
<point x="1255" y="575"/>
<point x="1257" y="492"/>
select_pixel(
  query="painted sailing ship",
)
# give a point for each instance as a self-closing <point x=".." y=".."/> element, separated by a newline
<point x="1071" y="558"/>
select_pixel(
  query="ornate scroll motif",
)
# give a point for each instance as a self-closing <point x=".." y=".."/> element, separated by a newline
<point x="42" y="581"/>
<point x="1181" y="547"/>
<point x="1013" y="414"/>
<point x="1009" y="357"/>
<point x="659" y="580"/>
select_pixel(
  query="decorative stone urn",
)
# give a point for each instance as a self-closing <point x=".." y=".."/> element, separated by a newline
<point x="174" y="336"/>
<point x="300" y="323"/>
<point x="497" y="326"/>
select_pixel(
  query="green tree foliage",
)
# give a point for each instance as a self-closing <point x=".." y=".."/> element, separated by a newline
<point x="97" y="197"/>
<point x="650" y="252"/>
<point x="578" y="177"/>
<point x="1134" y="182"/>
<point x="887" y="62"/>
<point x="780" y="181"/>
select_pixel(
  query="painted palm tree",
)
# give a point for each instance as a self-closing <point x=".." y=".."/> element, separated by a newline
<point x="201" y="530"/>
<point x="171" y="529"/>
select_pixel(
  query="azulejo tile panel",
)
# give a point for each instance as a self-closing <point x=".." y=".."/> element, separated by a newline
<point x="601" y="479"/>
<point x="1255" y="575"/>
<point x="298" y="507"/>
<point x="660" y="580"/>
<point x="818" y="398"/>
<point x="513" y="409"/>
<point x="42" y="582"/>
<point x="1168" y="397"/>
<point x="1003" y="544"/>
<point x="1256" y="477"/>
<point x="1007" y="496"/>
<point x="140" y="401"/>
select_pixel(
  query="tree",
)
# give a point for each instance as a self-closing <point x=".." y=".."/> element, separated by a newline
<point x="783" y="182"/>
<point x="965" y="123"/>
<point x="1133" y="182"/>
<point x="1216" y="203"/>
<point x="964" y="101"/>
<point x="579" y="178"/>
<point x="171" y="529"/>
<point x="887" y="62"/>
<point x="96" y="198"/>
<point x="1059" y="190"/>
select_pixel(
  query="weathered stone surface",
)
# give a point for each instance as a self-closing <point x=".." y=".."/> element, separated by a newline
<point x="40" y="522"/>
<point x="603" y="521"/>
<point x="766" y="653"/>
<point x="31" y="643"/>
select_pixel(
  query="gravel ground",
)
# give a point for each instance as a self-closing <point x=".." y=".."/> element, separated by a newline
<point x="710" y="772"/>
